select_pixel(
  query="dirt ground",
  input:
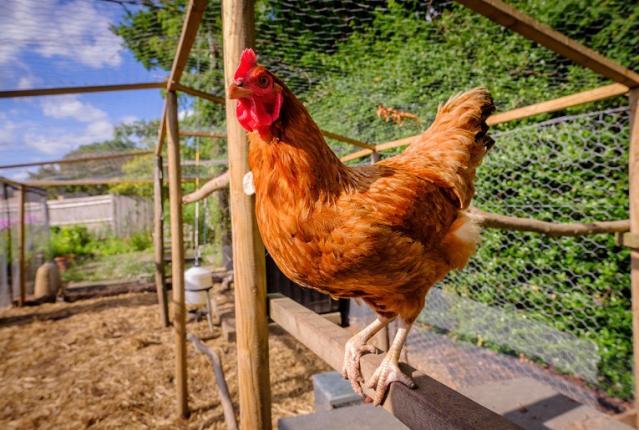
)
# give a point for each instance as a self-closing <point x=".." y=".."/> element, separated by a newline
<point x="106" y="363"/>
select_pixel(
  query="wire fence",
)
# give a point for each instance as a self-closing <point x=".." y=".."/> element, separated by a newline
<point x="36" y="239"/>
<point x="548" y="307"/>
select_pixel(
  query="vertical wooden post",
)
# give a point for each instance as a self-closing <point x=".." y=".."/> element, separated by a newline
<point x="375" y="157"/>
<point x="22" y="272"/>
<point x="633" y="177"/>
<point x="248" y="250"/>
<point x="177" y="253"/>
<point x="158" y="240"/>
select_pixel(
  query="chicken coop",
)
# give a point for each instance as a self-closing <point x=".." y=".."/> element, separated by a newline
<point x="551" y="295"/>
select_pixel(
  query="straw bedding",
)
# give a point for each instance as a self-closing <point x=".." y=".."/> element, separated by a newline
<point x="106" y="363"/>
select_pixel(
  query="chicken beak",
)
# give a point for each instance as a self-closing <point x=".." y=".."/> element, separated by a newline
<point x="238" y="92"/>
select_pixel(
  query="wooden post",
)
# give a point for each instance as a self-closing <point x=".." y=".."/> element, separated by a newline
<point x="633" y="177"/>
<point x="177" y="253"/>
<point x="248" y="250"/>
<point x="22" y="272"/>
<point x="158" y="240"/>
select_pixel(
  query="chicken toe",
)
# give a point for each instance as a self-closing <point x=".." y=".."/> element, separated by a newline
<point x="351" y="369"/>
<point x="387" y="373"/>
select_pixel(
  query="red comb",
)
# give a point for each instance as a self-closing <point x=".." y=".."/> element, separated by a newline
<point x="248" y="60"/>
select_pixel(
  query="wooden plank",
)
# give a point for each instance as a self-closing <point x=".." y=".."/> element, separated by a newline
<point x="248" y="250"/>
<point x="202" y="133"/>
<point x="22" y="228"/>
<point x="431" y="405"/>
<point x="517" y="21"/>
<point x="177" y="254"/>
<point x="197" y="93"/>
<point x="158" y="240"/>
<point x="348" y="140"/>
<point x="633" y="177"/>
<point x="78" y="160"/>
<point x="193" y="17"/>
<point x="81" y="89"/>
<point x="561" y="103"/>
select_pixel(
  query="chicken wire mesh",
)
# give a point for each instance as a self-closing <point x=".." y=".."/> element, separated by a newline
<point x="562" y="303"/>
<point x="533" y="305"/>
<point x="36" y="239"/>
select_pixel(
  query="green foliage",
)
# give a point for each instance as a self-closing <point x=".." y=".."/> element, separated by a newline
<point x="78" y="241"/>
<point x="412" y="56"/>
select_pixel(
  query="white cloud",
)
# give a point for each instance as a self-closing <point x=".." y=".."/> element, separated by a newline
<point x="71" y="107"/>
<point x="75" y="30"/>
<point x="183" y="114"/>
<point x="129" y="119"/>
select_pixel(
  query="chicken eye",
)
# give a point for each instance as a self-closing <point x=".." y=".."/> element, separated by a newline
<point x="263" y="81"/>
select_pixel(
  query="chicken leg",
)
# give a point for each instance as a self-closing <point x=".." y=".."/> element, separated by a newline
<point x="388" y="371"/>
<point x="355" y="348"/>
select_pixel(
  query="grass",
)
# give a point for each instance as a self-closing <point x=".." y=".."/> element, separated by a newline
<point x="125" y="266"/>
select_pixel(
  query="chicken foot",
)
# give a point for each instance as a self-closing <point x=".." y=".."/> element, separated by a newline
<point x="388" y="371"/>
<point x="355" y="348"/>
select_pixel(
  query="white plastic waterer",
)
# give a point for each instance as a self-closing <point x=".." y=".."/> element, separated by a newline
<point x="198" y="281"/>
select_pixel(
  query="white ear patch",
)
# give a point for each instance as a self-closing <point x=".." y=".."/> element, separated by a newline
<point x="247" y="184"/>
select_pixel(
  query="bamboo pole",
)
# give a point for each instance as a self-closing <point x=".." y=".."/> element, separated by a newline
<point x="248" y="250"/>
<point x="177" y="253"/>
<point x="21" y="244"/>
<point x="158" y="241"/>
<point x="633" y="177"/>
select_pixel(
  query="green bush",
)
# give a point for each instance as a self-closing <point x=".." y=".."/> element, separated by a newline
<point x="78" y="241"/>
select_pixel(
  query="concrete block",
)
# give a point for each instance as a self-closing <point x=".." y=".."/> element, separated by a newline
<point x="332" y="391"/>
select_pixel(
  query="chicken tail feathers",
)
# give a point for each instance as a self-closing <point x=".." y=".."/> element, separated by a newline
<point x="452" y="148"/>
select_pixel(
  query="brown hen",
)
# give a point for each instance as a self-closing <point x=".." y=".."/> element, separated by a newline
<point x="384" y="233"/>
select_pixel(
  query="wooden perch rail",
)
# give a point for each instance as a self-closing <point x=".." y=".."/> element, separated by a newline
<point x="491" y="220"/>
<point x="431" y="405"/>
<point x="207" y="189"/>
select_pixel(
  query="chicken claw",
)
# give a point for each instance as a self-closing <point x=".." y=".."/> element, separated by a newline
<point x="354" y="350"/>
<point x="387" y="373"/>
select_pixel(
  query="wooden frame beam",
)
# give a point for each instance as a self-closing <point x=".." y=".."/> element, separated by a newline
<point x="22" y="235"/>
<point x="177" y="254"/>
<point x="633" y="179"/>
<point x="589" y="96"/>
<point x="431" y="405"/>
<point x="248" y="250"/>
<point x="202" y="133"/>
<point x="197" y="93"/>
<point x="158" y="240"/>
<point x="81" y="89"/>
<point x="561" y="103"/>
<point x="194" y="13"/>
<point x="513" y="19"/>
<point x="348" y="140"/>
<point x="78" y="160"/>
<point x="44" y="183"/>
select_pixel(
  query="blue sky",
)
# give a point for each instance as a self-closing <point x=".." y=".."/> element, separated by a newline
<point x="48" y="43"/>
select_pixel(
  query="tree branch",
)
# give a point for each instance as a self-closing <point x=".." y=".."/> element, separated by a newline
<point x="222" y="388"/>
<point x="207" y="189"/>
<point x="491" y="220"/>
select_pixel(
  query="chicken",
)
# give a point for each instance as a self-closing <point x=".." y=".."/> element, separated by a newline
<point x="383" y="233"/>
